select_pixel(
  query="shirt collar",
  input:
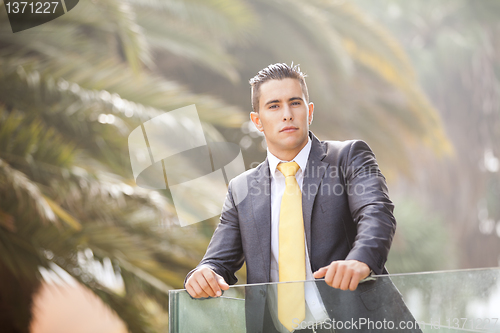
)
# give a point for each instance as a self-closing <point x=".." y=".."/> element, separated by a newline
<point x="300" y="159"/>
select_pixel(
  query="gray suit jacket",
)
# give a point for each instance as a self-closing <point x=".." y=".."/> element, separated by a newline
<point x="347" y="215"/>
<point x="346" y="209"/>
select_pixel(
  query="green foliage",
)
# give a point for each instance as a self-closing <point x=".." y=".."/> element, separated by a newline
<point x="454" y="47"/>
<point x="65" y="186"/>
<point x="422" y="241"/>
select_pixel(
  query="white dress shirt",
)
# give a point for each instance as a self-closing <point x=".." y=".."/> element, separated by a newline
<point x="315" y="310"/>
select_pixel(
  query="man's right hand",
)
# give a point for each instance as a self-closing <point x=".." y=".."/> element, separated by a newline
<point x="205" y="283"/>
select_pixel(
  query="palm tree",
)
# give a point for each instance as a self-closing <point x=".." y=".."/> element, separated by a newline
<point x="65" y="183"/>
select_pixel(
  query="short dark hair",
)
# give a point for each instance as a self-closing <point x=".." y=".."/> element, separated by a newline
<point x="277" y="71"/>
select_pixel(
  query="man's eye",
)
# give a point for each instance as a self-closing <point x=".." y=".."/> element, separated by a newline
<point x="295" y="103"/>
<point x="273" y="106"/>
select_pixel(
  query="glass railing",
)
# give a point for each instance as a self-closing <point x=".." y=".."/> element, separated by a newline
<point x="447" y="301"/>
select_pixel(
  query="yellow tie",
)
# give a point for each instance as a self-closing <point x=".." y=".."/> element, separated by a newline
<point x="292" y="256"/>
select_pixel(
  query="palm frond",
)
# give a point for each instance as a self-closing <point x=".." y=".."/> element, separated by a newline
<point x="228" y="21"/>
<point x="15" y="186"/>
<point x="131" y="36"/>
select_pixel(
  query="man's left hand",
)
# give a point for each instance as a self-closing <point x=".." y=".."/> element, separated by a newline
<point x="343" y="274"/>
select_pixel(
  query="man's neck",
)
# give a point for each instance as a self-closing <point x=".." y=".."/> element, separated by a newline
<point x="287" y="155"/>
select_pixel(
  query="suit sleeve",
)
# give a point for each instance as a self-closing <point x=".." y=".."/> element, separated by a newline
<point x="370" y="206"/>
<point x="225" y="252"/>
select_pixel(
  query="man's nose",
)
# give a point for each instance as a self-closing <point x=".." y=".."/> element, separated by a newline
<point x="287" y="113"/>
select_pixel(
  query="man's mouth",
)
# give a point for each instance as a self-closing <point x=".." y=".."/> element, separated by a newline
<point x="289" y="129"/>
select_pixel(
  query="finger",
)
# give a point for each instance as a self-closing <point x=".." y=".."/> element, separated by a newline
<point x="339" y="275"/>
<point x="346" y="279"/>
<point x="364" y="273"/>
<point x="222" y="283"/>
<point x="189" y="287"/>
<point x="212" y="286"/>
<point x="203" y="283"/>
<point x="356" y="277"/>
<point x="198" y="290"/>
<point x="330" y="274"/>
<point x="320" y="272"/>
<point x="190" y="291"/>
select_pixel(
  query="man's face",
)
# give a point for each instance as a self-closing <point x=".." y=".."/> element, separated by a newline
<point x="284" y="117"/>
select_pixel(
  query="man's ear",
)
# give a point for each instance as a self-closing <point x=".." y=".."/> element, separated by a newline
<point x="254" y="116"/>
<point x="311" y="112"/>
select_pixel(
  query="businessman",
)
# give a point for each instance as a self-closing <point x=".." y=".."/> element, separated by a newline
<point x="313" y="209"/>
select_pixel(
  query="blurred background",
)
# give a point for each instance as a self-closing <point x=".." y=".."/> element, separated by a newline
<point x="82" y="245"/>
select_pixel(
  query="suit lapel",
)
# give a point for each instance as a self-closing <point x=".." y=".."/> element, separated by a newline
<point x="260" y="191"/>
<point x="314" y="173"/>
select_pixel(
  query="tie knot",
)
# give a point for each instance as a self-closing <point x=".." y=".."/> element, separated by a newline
<point x="288" y="169"/>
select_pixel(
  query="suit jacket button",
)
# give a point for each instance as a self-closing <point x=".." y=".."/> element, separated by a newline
<point x="262" y="292"/>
